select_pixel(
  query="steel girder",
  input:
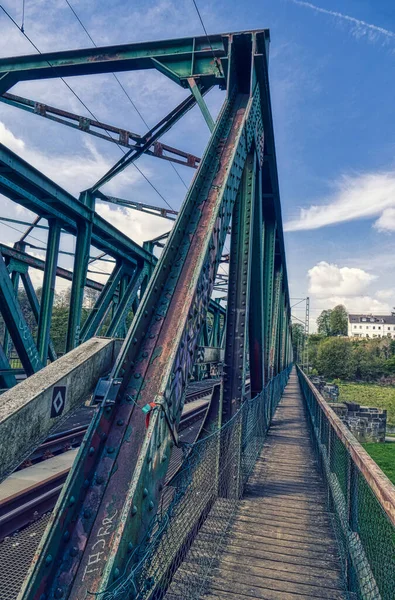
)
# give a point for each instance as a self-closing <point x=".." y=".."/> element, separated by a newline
<point x="25" y="185"/>
<point x="177" y="59"/>
<point x="113" y="490"/>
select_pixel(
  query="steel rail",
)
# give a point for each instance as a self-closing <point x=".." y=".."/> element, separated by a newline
<point x="20" y="510"/>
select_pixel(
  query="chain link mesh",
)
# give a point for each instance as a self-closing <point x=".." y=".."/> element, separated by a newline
<point x="202" y="497"/>
<point x="365" y="533"/>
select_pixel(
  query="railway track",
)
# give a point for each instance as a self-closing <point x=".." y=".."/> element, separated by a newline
<point x="19" y="510"/>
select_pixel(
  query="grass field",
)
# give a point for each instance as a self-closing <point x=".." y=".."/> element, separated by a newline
<point x="370" y="394"/>
<point x="384" y="455"/>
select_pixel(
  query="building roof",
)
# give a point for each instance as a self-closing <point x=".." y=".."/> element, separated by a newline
<point x="386" y="319"/>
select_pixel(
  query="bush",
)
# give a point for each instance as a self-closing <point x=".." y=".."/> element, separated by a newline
<point x="335" y="358"/>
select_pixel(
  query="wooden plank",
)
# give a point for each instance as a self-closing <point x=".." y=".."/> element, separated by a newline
<point x="281" y="545"/>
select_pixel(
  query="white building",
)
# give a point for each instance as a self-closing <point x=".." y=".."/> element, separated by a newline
<point x="371" y="326"/>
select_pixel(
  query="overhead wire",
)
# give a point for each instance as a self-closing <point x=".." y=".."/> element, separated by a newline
<point x="119" y="82"/>
<point x="215" y="58"/>
<point x="83" y="103"/>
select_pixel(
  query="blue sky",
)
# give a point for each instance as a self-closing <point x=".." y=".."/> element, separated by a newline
<point x="331" y="70"/>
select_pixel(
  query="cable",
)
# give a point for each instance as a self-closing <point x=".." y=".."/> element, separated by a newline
<point x="82" y="102"/>
<point x="23" y="16"/>
<point x="204" y="29"/>
<point x="119" y="82"/>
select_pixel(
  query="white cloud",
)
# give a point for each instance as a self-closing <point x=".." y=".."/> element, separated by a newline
<point x="327" y="279"/>
<point x="359" y="28"/>
<point x="386" y="221"/>
<point x="386" y="294"/>
<point x="356" y="197"/>
<point x="138" y="226"/>
<point x="354" y="304"/>
<point x="74" y="172"/>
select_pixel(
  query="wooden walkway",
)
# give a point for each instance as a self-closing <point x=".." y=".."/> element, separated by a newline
<point x="281" y="546"/>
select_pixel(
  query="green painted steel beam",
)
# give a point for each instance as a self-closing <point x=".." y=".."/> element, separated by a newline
<point x="268" y="287"/>
<point x="92" y="324"/>
<point x="256" y="328"/>
<point x="201" y="103"/>
<point x="16" y="323"/>
<point x="7" y="377"/>
<point x="126" y="301"/>
<point x="36" y="263"/>
<point x="237" y="317"/>
<point x="48" y="289"/>
<point x="35" y="306"/>
<point x="27" y="186"/>
<point x="80" y="269"/>
<point x="177" y="59"/>
<point x="160" y="129"/>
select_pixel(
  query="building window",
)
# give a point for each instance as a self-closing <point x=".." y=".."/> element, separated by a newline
<point x="360" y="327"/>
<point x="379" y="327"/>
<point x="367" y="326"/>
<point x="374" y="326"/>
<point x="389" y="328"/>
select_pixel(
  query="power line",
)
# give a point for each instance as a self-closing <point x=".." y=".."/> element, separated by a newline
<point x="82" y="102"/>
<point x="204" y="28"/>
<point x="118" y="81"/>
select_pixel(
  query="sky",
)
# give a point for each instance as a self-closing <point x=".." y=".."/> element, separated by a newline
<point x="332" y="86"/>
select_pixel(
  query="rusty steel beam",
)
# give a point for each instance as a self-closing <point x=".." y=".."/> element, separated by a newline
<point x="125" y="138"/>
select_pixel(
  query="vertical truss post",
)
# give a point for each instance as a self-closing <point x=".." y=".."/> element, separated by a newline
<point x="35" y="306"/>
<point x="81" y="259"/>
<point x="99" y="311"/>
<point x="16" y="324"/>
<point x="7" y="380"/>
<point x="273" y="352"/>
<point x="268" y="285"/>
<point x="15" y="286"/>
<point x="215" y="331"/>
<point x="256" y="309"/>
<point x="125" y="303"/>
<point x="238" y="293"/>
<point x="48" y="290"/>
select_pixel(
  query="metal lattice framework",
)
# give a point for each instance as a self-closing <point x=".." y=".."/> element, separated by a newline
<point x="113" y="490"/>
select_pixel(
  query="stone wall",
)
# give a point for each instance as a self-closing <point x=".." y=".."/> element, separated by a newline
<point x="367" y="424"/>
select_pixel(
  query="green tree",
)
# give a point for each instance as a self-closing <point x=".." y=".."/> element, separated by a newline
<point x="298" y="337"/>
<point x="335" y="358"/>
<point x="324" y="323"/>
<point x="339" y="320"/>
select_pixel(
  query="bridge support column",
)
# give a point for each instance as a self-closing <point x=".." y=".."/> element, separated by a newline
<point x="48" y="290"/>
<point x="268" y="284"/>
<point x="81" y="259"/>
<point x="256" y="320"/>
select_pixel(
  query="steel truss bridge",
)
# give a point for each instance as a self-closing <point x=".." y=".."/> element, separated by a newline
<point x="271" y="497"/>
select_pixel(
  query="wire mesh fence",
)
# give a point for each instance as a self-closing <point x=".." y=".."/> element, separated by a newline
<point x="364" y="523"/>
<point x="198" y="506"/>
